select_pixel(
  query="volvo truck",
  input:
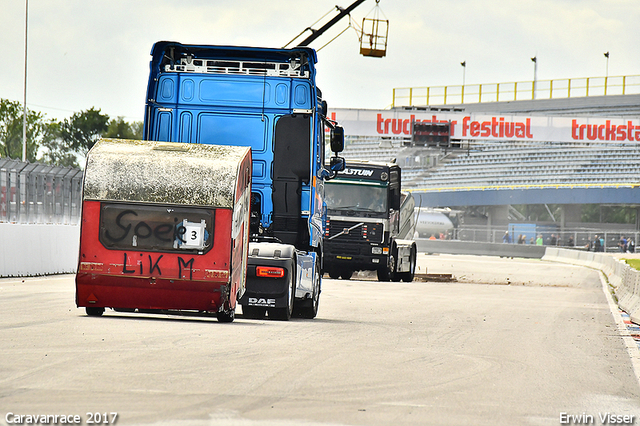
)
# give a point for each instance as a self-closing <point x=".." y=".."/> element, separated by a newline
<point x="370" y="223"/>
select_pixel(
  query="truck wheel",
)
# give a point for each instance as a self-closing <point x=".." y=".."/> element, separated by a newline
<point x="94" y="312"/>
<point x="310" y="311"/>
<point x="226" y="316"/>
<point x="334" y="274"/>
<point x="386" y="272"/>
<point x="284" y="314"/>
<point x="346" y="274"/>
<point x="253" y="312"/>
<point x="408" y="276"/>
<point x="395" y="276"/>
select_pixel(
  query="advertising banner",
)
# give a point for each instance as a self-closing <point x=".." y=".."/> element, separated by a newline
<point x="483" y="126"/>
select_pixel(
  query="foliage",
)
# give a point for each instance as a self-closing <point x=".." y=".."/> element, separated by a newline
<point x="83" y="130"/>
<point x="634" y="263"/>
<point x="61" y="143"/>
<point x="595" y="213"/>
<point x="608" y="214"/>
<point x="11" y="130"/>
<point x="539" y="212"/>
<point x="120" y="129"/>
<point x="55" y="151"/>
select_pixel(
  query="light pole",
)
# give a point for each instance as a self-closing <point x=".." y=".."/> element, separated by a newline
<point x="606" y="76"/>
<point x="535" y="74"/>
<point x="464" y="70"/>
<point x="24" y="105"/>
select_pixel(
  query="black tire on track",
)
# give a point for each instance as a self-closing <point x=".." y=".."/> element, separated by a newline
<point x="226" y="315"/>
<point x="284" y="314"/>
<point x="311" y="310"/>
<point x="408" y="276"/>
<point x="92" y="311"/>
<point x="346" y="274"/>
<point x="386" y="272"/>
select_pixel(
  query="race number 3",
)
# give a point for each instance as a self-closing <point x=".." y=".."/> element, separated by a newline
<point x="194" y="235"/>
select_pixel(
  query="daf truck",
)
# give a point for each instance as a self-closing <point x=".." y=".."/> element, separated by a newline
<point x="266" y="100"/>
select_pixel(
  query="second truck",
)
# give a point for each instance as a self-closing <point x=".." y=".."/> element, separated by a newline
<point x="370" y="223"/>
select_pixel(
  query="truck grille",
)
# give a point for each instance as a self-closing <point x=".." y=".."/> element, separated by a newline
<point x="342" y="230"/>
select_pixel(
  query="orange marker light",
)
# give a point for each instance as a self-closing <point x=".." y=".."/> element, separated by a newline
<point x="269" y="271"/>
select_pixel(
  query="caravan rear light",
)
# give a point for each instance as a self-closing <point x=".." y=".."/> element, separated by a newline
<point x="269" y="271"/>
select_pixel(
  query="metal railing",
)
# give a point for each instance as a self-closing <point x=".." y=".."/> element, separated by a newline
<point x="614" y="185"/>
<point x="575" y="238"/>
<point x="39" y="193"/>
<point x="516" y="91"/>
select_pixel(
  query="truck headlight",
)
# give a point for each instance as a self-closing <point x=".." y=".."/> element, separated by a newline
<point x="376" y="250"/>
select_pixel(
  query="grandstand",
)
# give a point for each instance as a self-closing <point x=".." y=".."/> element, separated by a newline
<point x="512" y="163"/>
<point x="494" y="163"/>
<point x="489" y="175"/>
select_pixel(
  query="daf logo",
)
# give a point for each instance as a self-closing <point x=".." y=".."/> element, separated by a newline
<point x="254" y="301"/>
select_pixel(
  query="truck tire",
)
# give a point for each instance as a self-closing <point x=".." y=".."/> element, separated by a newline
<point x="408" y="276"/>
<point x="386" y="272"/>
<point x="395" y="276"/>
<point x="346" y="274"/>
<point x="92" y="311"/>
<point x="310" y="310"/>
<point x="226" y="315"/>
<point x="284" y="314"/>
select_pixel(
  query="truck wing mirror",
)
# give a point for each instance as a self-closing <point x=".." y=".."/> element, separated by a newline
<point x="336" y="164"/>
<point x="337" y="139"/>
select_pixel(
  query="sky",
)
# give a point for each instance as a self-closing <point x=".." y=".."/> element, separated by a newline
<point x="95" y="53"/>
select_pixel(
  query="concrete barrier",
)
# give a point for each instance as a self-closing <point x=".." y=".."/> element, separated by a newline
<point x="37" y="249"/>
<point x="480" y="249"/>
<point x="624" y="279"/>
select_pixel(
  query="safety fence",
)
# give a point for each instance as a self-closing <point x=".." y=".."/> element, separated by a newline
<point x="39" y="193"/>
<point x="516" y="91"/>
<point x="549" y="236"/>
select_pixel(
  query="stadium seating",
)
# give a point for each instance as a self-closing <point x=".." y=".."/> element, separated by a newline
<point x="495" y="164"/>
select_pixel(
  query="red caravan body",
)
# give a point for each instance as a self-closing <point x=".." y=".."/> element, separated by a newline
<point x="164" y="227"/>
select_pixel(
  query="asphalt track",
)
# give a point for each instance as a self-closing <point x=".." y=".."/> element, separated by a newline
<point x="510" y="342"/>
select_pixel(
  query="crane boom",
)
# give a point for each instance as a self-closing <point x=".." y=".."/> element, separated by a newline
<point x="317" y="33"/>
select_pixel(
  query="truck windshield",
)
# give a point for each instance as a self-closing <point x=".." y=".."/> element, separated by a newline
<point x="344" y="196"/>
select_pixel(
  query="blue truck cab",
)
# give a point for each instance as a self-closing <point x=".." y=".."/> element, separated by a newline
<point x="266" y="99"/>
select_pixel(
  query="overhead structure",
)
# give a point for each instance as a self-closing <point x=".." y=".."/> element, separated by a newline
<point x="317" y="33"/>
<point x="374" y="32"/>
<point x="372" y="35"/>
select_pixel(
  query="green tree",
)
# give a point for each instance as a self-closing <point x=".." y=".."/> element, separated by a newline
<point x="55" y="150"/>
<point x="120" y="129"/>
<point x="11" y="122"/>
<point x="83" y="129"/>
<point x="608" y="214"/>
